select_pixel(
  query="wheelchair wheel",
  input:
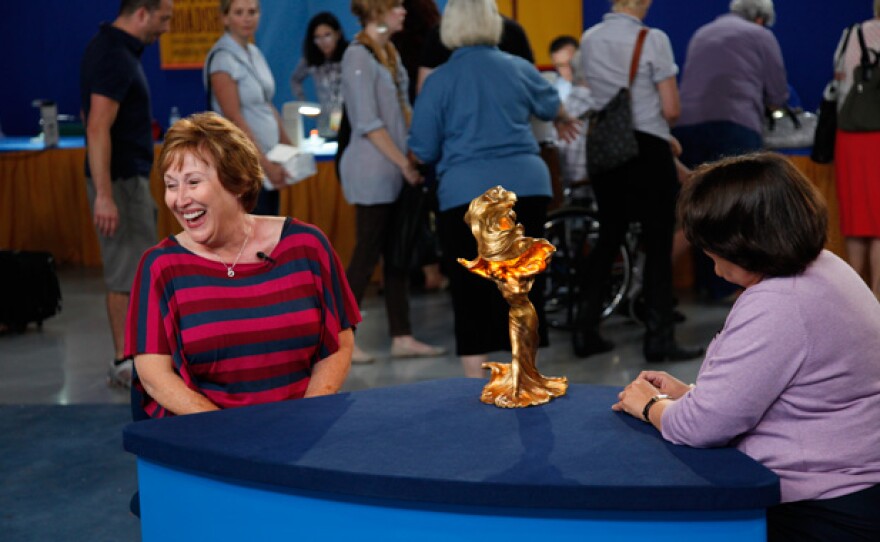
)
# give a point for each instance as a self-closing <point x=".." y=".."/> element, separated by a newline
<point x="574" y="231"/>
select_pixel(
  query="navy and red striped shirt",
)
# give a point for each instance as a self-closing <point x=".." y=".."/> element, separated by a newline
<point x="245" y="340"/>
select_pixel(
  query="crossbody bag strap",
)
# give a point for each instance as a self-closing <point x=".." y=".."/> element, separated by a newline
<point x="866" y="63"/>
<point x="865" y="58"/>
<point x="208" y="80"/>
<point x="247" y="66"/>
<point x="842" y="50"/>
<point x="637" y="53"/>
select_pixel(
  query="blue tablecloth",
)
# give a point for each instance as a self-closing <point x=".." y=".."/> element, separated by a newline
<point x="435" y="442"/>
<point x="11" y="144"/>
<point x="323" y="152"/>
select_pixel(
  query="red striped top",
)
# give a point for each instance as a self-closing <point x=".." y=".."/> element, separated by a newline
<point x="245" y="340"/>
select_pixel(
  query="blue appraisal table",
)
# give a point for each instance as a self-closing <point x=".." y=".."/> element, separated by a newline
<point x="429" y="461"/>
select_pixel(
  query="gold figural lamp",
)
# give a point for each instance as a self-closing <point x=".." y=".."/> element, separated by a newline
<point x="512" y="260"/>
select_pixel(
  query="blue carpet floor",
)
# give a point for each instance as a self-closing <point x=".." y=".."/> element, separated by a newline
<point x="64" y="474"/>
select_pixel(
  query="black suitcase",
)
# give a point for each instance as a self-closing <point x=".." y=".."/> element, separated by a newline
<point x="29" y="289"/>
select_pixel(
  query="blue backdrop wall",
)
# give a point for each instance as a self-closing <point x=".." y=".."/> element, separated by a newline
<point x="44" y="40"/>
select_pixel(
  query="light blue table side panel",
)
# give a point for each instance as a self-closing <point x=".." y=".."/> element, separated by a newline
<point x="176" y="505"/>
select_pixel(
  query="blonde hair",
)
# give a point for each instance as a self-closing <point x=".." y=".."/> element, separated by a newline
<point x="225" y="5"/>
<point x="470" y="22"/>
<point x="220" y="143"/>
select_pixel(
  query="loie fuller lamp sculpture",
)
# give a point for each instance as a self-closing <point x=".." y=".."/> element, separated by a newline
<point x="512" y="260"/>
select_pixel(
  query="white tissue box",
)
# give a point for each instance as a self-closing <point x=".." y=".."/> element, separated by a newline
<point x="298" y="164"/>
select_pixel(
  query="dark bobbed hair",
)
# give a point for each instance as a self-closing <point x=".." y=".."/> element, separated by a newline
<point x="561" y="41"/>
<point x="756" y="211"/>
<point x="314" y="56"/>
<point x="220" y="143"/>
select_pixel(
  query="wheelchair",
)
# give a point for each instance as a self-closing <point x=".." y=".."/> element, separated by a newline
<point x="574" y="230"/>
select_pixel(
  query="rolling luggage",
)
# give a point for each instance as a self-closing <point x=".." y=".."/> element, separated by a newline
<point x="29" y="289"/>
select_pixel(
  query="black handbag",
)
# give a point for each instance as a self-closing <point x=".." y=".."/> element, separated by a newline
<point x="409" y="227"/>
<point x="611" y="141"/>
<point x="826" y="126"/>
<point x="861" y="107"/>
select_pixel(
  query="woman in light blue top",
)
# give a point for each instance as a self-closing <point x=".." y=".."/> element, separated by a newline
<point x="472" y="119"/>
<point x="374" y="165"/>
<point x="241" y="87"/>
<point x="643" y="189"/>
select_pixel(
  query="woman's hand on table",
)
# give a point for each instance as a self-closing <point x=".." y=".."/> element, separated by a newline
<point x="665" y="382"/>
<point x="634" y="397"/>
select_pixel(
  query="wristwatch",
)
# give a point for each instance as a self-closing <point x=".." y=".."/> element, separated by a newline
<point x="651" y="401"/>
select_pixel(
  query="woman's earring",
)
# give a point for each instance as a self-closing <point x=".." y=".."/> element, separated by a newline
<point x="382" y="28"/>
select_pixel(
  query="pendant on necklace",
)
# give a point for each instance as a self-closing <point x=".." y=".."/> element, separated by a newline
<point x="230" y="273"/>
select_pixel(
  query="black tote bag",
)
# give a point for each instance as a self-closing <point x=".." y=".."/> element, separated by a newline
<point x="861" y="107"/>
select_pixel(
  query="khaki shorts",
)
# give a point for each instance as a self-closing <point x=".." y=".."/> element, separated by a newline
<point x="136" y="232"/>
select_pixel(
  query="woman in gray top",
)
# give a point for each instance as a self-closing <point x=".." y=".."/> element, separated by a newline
<point x="642" y="189"/>
<point x="375" y="165"/>
<point x="241" y="87"/>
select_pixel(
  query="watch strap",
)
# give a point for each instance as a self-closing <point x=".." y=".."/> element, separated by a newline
<point x="650" y="403"/>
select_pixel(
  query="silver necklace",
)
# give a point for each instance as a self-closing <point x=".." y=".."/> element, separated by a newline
<point x="230" y="268"/>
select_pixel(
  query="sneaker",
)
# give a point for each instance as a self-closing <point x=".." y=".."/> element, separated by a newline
<point x="119" y="373"/>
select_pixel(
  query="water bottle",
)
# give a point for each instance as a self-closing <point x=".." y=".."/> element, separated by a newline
<point x="174" y="116"/>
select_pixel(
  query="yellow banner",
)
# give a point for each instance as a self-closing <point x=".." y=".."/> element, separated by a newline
<point x="542" y="23"/>
<point x="195" y="26"/>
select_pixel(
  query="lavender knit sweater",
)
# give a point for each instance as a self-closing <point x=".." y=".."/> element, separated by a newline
<point x="793" y="381"/>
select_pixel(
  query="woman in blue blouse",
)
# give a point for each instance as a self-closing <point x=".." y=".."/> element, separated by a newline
<point x="472" y="120"/>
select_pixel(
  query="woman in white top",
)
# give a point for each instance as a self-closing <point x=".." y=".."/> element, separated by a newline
<point x="240" y="86"/>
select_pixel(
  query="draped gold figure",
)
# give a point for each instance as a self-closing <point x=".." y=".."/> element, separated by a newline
<point x="508" y="257"/>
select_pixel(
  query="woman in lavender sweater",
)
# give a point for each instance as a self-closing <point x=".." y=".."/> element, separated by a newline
<point x="793" y="378"/>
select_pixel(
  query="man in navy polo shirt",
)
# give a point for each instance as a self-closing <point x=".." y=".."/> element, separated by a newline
<point x="115" y="102"/>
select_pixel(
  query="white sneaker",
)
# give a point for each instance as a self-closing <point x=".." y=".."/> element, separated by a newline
<point x="119" y="373"/>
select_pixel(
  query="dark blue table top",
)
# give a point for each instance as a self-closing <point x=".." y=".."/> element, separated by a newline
<point x="435" y="442"/>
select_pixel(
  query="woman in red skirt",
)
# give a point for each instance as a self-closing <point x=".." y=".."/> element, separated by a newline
<point x="857" y="164"/>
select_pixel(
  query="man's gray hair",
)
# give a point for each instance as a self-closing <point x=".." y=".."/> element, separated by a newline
<point x="753" y="9"/>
